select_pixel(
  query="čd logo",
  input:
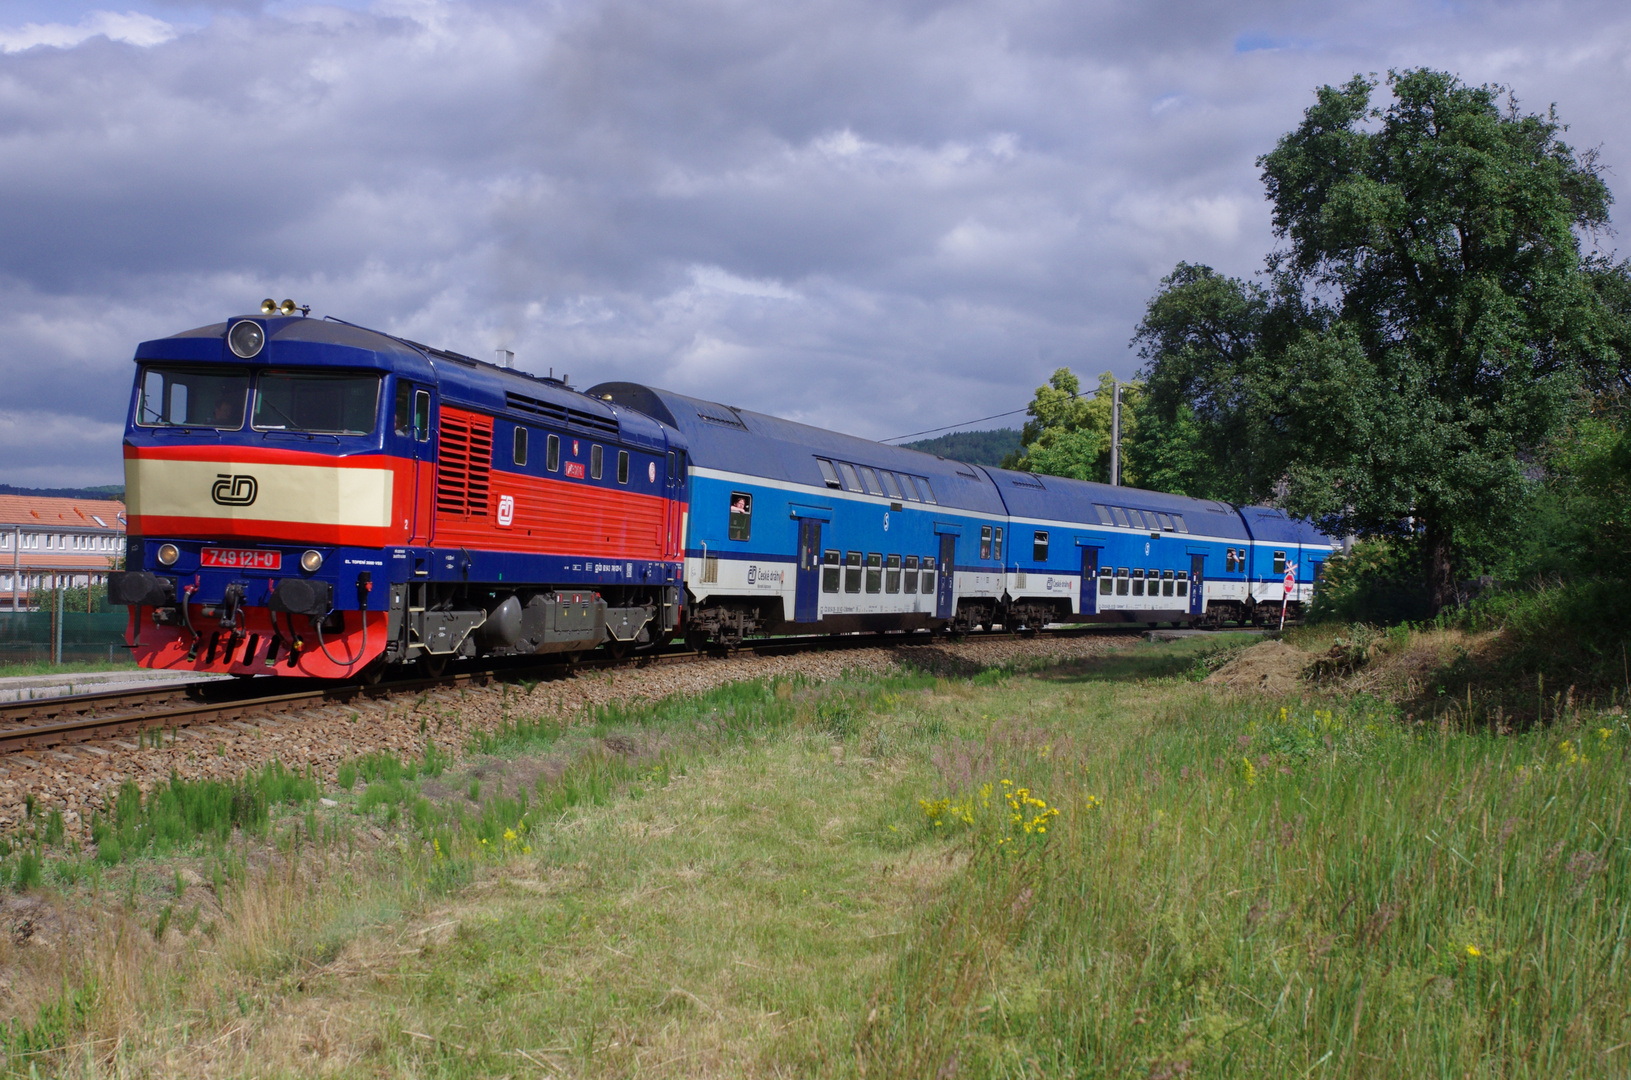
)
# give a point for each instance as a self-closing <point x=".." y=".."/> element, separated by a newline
<point x="232" y="490"/>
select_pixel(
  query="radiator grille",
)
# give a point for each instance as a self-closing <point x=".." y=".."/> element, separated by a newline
<point x="463" y="462"/>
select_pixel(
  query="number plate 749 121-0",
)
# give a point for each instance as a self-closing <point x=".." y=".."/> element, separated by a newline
<point x="241" y="559"/>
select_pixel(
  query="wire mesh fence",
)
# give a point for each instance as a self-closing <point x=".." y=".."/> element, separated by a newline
<point x="29" y="637"/>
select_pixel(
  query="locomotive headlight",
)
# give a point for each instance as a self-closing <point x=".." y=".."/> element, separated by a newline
<point x="168" y="554"/>
<point x="311" y="561"/>
<point x="246" y="338"/>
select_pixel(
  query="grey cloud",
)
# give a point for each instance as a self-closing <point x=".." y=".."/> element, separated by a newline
<point x="878" y="217"/>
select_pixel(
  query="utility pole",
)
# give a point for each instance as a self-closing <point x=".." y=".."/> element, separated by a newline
<point x="1115" y="434"/>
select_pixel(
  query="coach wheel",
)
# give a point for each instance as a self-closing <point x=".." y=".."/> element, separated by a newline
<point x="696" y="640"/>
<point x="617" y="649"/>
<point x="433" y="666"/>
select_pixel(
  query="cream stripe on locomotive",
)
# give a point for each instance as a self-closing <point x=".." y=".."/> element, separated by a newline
<point x="245" y="491"/>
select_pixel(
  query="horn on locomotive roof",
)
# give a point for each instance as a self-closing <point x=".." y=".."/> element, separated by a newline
<point x="288" y="307"/>
<point x="268" y="306"/>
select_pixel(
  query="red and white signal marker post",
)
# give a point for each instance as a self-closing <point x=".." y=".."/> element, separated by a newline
<point x="1285" y="593"/>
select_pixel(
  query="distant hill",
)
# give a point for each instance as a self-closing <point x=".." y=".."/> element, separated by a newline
<point x="107" y="491"/>
<point x="975" y="447"/>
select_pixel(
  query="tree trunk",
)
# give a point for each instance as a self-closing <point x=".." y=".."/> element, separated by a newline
<point x="1440" y="574"/>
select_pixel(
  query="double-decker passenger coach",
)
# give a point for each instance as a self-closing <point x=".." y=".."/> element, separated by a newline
<point x="311" y="497"/>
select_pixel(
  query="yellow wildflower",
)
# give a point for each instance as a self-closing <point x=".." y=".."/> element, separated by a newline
<point x="1472" y="950"/>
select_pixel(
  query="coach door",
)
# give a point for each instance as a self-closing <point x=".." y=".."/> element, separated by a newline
<point x="1090" y="581"/>
<point x="1197" y="585"/>
<point x="946" y="579"/>
<point x="807" y="598"/>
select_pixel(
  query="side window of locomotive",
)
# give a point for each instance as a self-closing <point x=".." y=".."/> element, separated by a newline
<point x="1106" y="581"/>
<point x="597" y="461"/>
<point x="829" y="570"/>
<point x="1039" y="547"/>
<point x="908" y="579"/>
<point x="829" y="473"/>
<point x="852" y="482"/>
<point x="519" y="451"/>
<point x="552" y="453"/>
<point x="928" y="576"/>
<point x="673" y="465"/>
<point x="404" y="409"/>
<point x="622" y="466"/>
<point x="891" y="574"/>
<point x="421" y="415"/>
<point x="1279" y="563"/>
<point x="741" y="518"/>
<point x="852" y="571"/>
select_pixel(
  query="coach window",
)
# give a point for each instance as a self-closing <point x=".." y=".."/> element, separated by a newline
<point x="908" y="488"/>
<point x="927" y="588"/>
<point x="871" y="480"/>
<point x="926" y="491"/>
<point x="1166" y="522"/>
<point x="1183" y="583"/>
<point x="597" y="461"/>
<point x="1319" y="569"/>
<point x="1229" y="560"/>
<point x="1166" y="583"/>
<point x="519" y="451"/>
<point x="891" y="574"/>
<point x="829" y="570"/>
<point x="1279" y="563"/>
<point x="741" y="521"/>
<point x="1138" y="583"/>
<point x="852" y="571"/>
<point x="1104" y="514"/>
<point x="874" y="572"/>
<point x="1178" y="520"/>
<point x="1039" y="547"/>
<point x="908" y="579"/>
<point x="985" y="541"/>
<point x="890" y="488"/>
<point x="852" y="482"/>
<point x="622" y="466"/>
<point x="828" y="473"/>
<point x="1122" y="580"/>
<point x="1120" y="515"/>
<point x="552" y="453"/>
<point x="1105" y="581"/>
<point x="996" y="545"/>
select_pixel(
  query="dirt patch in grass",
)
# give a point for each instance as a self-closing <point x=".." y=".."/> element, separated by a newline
<point x="1273" y="669"/>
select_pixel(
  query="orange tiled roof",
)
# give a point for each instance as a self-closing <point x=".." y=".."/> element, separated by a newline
<point x="45" y="513"/>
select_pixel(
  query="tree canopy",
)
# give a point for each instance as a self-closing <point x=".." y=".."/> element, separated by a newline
<point x="1424" y="330"/>
<point x="1069" y="431"/>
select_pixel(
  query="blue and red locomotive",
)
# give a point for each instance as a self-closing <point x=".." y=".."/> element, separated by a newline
<point x="308" y="497"/>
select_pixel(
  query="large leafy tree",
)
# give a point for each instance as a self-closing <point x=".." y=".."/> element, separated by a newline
<point x="1428" y="321"/>
<point x="1068" y="433"/>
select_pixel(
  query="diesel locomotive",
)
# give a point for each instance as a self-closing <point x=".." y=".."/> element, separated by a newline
<point x="310" y="497"/>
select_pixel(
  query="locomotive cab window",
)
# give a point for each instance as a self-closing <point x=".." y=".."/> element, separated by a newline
<point x="622" y="466"/>
<point x="597" y="461"/>
<point x="552" y="453"/>
<point x="192" y="397"/>
<point x="829" y="473"/>
<point x="317" y="403"/>
<point x="741" y="518"/>
<point x="852" y="571"/>
<point x="519" y="451"/>
<point x="1279" y="563"/>
<point x="829" y="570"/>
<point x="908" y="579"/>
<point x="1039" y="547"/>
<point x="404" y="409"/>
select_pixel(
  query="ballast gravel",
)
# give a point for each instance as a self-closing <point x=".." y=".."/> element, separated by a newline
<point x="79" y="779"/>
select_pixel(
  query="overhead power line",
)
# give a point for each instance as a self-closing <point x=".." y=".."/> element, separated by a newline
<point x="981" y="420"/>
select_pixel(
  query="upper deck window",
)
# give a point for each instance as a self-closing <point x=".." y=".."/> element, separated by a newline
<point x="871" y="479"/>
<point x="851" y="481"/>
<point x="317" y="402"/>
<point x="828" y="473"/>
<point x="890" y="488"/>
<point x="192" y="397"/>
<point x="925" y="490"/>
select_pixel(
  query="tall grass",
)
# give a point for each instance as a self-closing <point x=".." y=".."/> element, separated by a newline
<point x="1300" y="893"/>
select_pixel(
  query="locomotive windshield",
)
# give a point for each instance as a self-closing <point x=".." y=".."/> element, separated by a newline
<point x="192" y="397"/>
<point x="316" y="402"/>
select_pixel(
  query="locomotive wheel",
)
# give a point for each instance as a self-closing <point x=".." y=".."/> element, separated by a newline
<point x="373" y="673"/>
<point x="617" y="649"/>
<point x="434" y="667"/>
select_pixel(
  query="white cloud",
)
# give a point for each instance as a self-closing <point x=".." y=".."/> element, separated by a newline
<point x="130" y="27"/>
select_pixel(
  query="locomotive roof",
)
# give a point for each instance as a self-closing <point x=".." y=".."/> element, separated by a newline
<point x="297" y="341"/>
<point x="737" y="440"/>
<point x="1060" y="498"/>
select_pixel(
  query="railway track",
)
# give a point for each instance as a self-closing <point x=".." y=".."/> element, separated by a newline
<point x="52" y="723"/>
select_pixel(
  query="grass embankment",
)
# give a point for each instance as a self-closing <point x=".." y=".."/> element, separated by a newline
<point x="1104" y="869"/>
<point x="20" y="668"/>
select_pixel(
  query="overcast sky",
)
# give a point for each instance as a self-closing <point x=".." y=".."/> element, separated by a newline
<point x="875" y="217"/>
